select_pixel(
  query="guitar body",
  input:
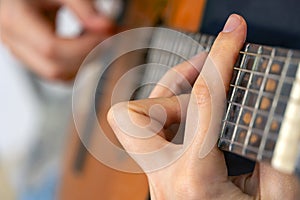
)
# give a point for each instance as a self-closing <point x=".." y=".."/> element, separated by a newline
<point x="85" y="177"/>
<point x="96" y="180"/>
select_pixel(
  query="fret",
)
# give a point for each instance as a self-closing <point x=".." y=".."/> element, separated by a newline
<point x="253" y="116"/>
<point x="247" y="115"/>
<point x="264" y="113"/>
<point x="232" y="109"/>
<point x="273" y="135"/>
<point x="264" y="103"/>
<point x="259" y="92"/>
<point x="283" y="96"/>
<point x="276" y="58"/>
<point x="251" y="150"/>
<point x="273" y="76"/>
<point x="274" y="104"/>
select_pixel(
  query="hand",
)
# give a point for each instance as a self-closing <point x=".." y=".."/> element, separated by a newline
<point x="192" y="177"/>
<point x="28" y="29"/>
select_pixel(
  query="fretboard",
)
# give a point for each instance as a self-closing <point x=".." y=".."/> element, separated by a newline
<point x="260" y="92"/>
<point x="263" y="82"/>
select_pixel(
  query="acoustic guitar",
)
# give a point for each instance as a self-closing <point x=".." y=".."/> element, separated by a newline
<point x="260" y="121"/>
<point x="84" y="176"/>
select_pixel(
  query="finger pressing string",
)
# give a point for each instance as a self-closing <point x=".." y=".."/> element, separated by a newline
<point x="207" y="101"/>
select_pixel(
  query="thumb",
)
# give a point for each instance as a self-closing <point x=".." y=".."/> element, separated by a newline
<point x="141" y="126"/>
<point x="208" y="97"/>
<point x="86" y="11"/>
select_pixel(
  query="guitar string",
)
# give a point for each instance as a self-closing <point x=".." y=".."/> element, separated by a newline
<point x="204" y="40"/>
<point x="232" y="96"/>
<point x="258" y="100"/>
<point x="274" y="104"/>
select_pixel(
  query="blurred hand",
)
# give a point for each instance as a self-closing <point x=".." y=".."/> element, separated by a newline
<point x="28" y="29"/>
<point x="192" y="177"/>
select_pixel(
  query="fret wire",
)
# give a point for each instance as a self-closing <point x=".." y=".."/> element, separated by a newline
<point x="229" y="105"/>
<point x="266" y="94"/>
<point x="254" y="66"/>
<point x="259" y="98"/>
<point x="274" y="103"/>
<point x="273" y="136"/>
<point x="251" y="148"/>
<point x="277" y="58"/>
<point x="231" y="98"/>
<point x="261" y="112"/>
<point x="273" y="76"/>
<point x="240" y="144"/>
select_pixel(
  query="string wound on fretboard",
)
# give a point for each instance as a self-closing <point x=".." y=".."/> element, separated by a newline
<point x="260" y="92"/>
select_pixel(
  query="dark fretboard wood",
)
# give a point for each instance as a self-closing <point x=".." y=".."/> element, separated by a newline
<point x="260" y="90"/>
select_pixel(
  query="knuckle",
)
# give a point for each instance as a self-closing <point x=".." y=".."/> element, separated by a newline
<point x="201" y="93"/>
<point x="114" y="110"/>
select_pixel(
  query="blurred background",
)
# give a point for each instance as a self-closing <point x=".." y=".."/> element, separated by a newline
<point x="35" y="115"/>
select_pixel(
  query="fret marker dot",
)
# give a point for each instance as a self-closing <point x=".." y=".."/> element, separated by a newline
<point x="254" y="139"/>
<point x="241" y="136"/>
<point x="274" y="126"/>
<point x="265" y="103"/>
<point x="271" y="85"/>
<point x="247" y="118"/>
<point x="258" y="120"/>
<point x="275" y="68"/>
<point x="258" y="82"/>
<point x="264" y="64"/>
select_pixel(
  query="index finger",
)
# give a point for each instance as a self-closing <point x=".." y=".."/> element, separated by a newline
<point x="208" y="97"/>
<point x="176" y="79"/>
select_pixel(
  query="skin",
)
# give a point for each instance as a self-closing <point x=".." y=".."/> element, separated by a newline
<point x="28" y="30"/>
<point x="191" y="177"/>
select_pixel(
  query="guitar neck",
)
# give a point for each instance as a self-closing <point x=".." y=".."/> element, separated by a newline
<point x="260" y="121"/>
<point x="263" y="90"/>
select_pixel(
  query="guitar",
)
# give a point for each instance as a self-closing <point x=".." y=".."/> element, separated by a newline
<point x="261" y="101"/>
<point x="262" y="118"/>
<point x="84" y="177"/>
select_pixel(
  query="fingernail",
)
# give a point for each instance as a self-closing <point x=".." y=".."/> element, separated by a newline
<point x="232" y="23"/>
